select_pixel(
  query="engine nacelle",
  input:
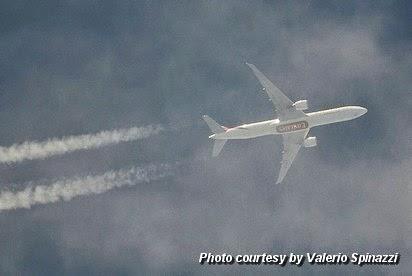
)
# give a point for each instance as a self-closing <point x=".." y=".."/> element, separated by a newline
<point x="310" y="142"/>
<point x="301" y="105"/>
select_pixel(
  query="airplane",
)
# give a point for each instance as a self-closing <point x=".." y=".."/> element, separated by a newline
<point x="292" y="123"/>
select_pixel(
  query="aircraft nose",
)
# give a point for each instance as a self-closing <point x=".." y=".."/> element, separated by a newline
<point x="357" y="111"/>
<point x="362" y="111"/>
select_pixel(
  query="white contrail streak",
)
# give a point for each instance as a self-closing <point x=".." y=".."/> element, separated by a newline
<point x="56" y="146"/>
<point x="66" y="189"/>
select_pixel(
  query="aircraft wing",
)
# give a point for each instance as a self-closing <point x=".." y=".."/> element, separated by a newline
<point x="291" y="145"/>
<point x="283" y="105"/>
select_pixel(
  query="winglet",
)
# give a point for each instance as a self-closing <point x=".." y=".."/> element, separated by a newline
<point x="280" y="177"/>
<point x="250" y="65"/>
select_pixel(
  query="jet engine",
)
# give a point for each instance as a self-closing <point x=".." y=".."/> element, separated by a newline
<point x="310" y="142"/>
<point x="301" y="105"/>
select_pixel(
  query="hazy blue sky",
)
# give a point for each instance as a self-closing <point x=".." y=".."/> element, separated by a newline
<point x="75" y="67"/>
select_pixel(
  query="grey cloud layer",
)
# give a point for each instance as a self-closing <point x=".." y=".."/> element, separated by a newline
<point x="119" y="64"/>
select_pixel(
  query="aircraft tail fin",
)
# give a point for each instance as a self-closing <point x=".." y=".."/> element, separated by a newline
<point x="218" y="146"/>
<point x="214" y="127"/>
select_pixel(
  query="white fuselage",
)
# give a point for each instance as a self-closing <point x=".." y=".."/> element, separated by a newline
<point x="276" y="126"/>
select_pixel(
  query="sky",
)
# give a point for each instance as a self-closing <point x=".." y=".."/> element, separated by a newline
<point x="74" y="67"/>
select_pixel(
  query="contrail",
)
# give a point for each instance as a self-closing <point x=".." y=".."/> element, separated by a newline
<point x="66" y="189"/>
<point x="56" y="146"/>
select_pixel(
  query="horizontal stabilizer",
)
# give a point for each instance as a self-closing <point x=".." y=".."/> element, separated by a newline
<point x="214" y="127"/>
<point x="218" y="146"/>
